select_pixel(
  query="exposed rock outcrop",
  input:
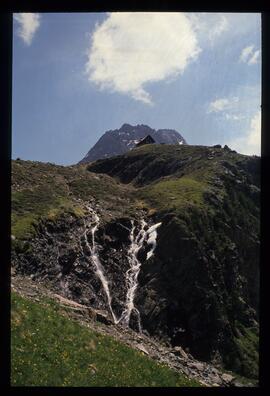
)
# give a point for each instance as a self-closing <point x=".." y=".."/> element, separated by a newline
<point x="120" y="141"/>
<point x="200" y="289"/>
<point x="174" y="357"/>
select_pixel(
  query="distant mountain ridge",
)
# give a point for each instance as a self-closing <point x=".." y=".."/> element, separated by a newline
<point x="120" y="141"/>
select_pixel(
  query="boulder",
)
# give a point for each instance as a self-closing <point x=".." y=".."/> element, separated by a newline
<point x="179" y="351"/>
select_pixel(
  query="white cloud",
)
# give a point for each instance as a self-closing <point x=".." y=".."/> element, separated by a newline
<point x="220" y="105"/>
<point x="254" y="58"/>
<point x="220" y="27"/>
<point x="250" y="144"/>
<point x="129" y="50"/>
<point x="28" y="25"/>
<point x="249" y="56"/>
<point x="246" y="52"/>
<point x="234" y="117"/>
<point x="209" y="26"/>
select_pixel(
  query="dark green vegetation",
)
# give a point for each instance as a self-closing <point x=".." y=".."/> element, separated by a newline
<point x="49" y="349"/>
<point x="201" y="288"/>
<point x="206" y="271"/>
<point x="171" y="177"/>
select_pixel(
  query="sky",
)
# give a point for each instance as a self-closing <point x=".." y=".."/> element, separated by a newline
<point x="77" y="75"/>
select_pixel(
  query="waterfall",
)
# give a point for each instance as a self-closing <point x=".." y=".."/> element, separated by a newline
<point x="152" y="239"/>
<point x="132" y="273"/>
<point x="136" y="243"/>
<point x="143" y="236"/>
<point x="97" y="264"/>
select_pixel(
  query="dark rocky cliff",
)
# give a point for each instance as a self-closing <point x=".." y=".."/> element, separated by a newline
<point x="120" y="141"/>
<point x="200" y="289"/>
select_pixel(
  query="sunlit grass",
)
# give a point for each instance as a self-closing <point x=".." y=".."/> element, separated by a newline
<point x="49" y="349"/>
<point x="48" y="191"/>
<point x="174" y="193"/>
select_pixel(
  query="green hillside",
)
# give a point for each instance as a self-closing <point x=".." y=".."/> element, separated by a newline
<point x="200" y="290"/>
<point x="208" y="199"/>
<point x="49" y="349"/>
<point x="47" y="191"/>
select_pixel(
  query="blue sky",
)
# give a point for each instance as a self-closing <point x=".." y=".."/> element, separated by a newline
<point x="77" y="75"/>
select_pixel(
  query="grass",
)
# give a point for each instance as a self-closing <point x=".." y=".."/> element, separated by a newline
<point x="205" y="201"/>
<point x="28" y="210"/>
<point x="248" y="346"/>
<point x="168" y="176"/>
<point x="49" y="349"/>
<point x="42" y="190"/>
<point x="174" y="193"/>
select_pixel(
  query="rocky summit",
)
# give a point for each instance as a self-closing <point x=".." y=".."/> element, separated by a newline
<point x="120" y="141"/>
<point x="162" y="240"/>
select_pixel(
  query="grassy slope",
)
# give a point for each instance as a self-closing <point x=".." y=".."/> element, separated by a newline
<point x="180" y="180"/>
<point x="49" y="349"/>
<point x="169" y="178"/>
<point x="172" y="177"/>
<point x="47" y="190"/>
<point x="185" y="196"/>
<point x="188" y="185"/>
<point x="43" y="190"/>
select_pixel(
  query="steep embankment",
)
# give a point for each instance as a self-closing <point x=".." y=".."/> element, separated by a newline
<point x="49" y="348"/>
<point x="200" y="287"/>
<point x="26" y="330"/>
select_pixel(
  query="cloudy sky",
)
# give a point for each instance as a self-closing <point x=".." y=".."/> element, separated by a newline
<point x="76" y="76"/>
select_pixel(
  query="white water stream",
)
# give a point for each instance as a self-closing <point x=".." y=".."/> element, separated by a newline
<point x="152" y="239"/>
<point x="136" y="243"/>
<point x="131" y="277"/>
<point x="97" y="264"/>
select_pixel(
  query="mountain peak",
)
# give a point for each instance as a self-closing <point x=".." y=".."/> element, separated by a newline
<point x="128" y="127"/>
<point x="125" y="126"/>
<point x="124" y="139"/>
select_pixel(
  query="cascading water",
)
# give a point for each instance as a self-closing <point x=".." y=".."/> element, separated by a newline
<point x="152" y="239"/>
<point x="97" y="264"/>
<point x="132" y="273"/>
<point x="131" y="277"/>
